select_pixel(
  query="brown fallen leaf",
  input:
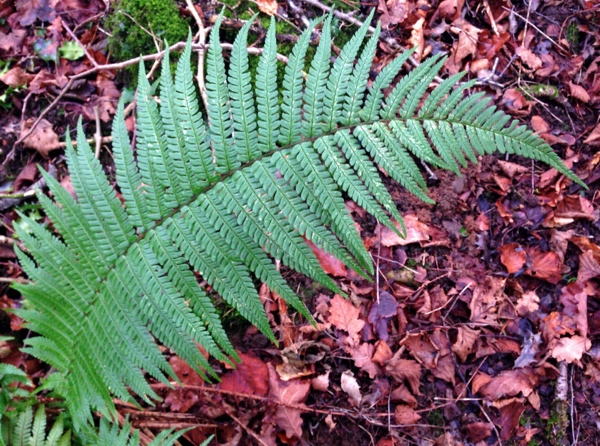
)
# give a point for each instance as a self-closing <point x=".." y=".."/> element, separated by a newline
<point x="16" y="77"/>
<point x="508" y="383"/>
<point x="571" y="349"/>
<point x="406" y="415"/>
<point x="539" y="125"/>
<point x="465" y="340"/>
<point x="363" y="358"/>
<point x="576" y="207"/>
<point x="513" y="257"/>
<point x="468" y="35"/>
<point x="182" y="400"/>
<point x="589" y="267"/>
<point x="292" y="393"/>
<point x="487" y="296"/>
<point x="251" y="377"/>
<point x="479" y="431"/>
<point x="528" y="303"/>
<point x="269" y="7"/>
<point x="594" y="137"/>
<point x="383" y="353"/>
<point x="321" y="382"/>
<point x="401" y="369"/>
<point x="528" y="57"/>
<point x="344" y="316"/>
<point x="574" y="301"/>
<point x="417" y="38"/>
<point x="544" y="265"/>
<point x="510" y="414"/>
<point x="43" y="138"/>
<point x="513" y="170"/>
<point x="578" y="92"/>
<point x="392" y="12"/>
<point x="32" y="10"/>
<point x="416" y="231"/>
<point x="401" y="393"/>
<point x="329" y="263"/>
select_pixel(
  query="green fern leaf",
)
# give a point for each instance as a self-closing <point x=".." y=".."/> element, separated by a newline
<point x="225" y="200"/>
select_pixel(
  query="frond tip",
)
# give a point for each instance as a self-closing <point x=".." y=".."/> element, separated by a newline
<point x="206" y="208"/>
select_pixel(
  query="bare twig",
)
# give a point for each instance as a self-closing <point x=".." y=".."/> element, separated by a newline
<point x="201" y="52"/>
<point x="98" y="134"/>
<point x="81" y="45"/>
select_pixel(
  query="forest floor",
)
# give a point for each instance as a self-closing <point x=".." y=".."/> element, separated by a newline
<point x="482" y="326"/>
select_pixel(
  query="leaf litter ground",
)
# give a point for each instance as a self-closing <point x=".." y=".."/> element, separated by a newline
<point x="477" y="319"/>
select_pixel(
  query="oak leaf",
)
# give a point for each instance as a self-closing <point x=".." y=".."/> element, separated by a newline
<point x="344" y="316"/>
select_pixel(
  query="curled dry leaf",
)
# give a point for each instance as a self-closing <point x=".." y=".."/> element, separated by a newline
<point x="417" y="38"/>
<point x="321" y="382"/>
<point x="594" y="137"/>
<point x="43" y="138"/>
<point x="351" y="387"/>
<point x="513" y="257"/>
<point x="576" y="207"/>
<point x="468" y="35"/>
<point x="511" y="169"/>
<point x="539" y="125"/>
<point x="578" y="92"/>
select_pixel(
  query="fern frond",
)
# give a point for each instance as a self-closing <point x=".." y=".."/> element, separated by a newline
<point x="208" y="208"/>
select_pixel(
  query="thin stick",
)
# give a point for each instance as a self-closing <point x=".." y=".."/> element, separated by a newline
<point x="98" y="134"/>
<point x="201" y="52"/>
<point x="74" y="37"/>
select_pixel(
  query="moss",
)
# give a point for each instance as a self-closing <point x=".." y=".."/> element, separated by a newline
<point x="129" y="40"/>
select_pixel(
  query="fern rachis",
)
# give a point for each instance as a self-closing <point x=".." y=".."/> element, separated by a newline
<point x="225" y="198"/>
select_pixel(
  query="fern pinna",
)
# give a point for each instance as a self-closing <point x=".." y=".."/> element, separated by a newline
<point x="224" y="198"/>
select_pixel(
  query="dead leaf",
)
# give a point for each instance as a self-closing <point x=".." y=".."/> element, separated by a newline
<point x="251" y="377"/>
<point x="381" y="312"/>
<point x="363" y="358"/>
<point x="513" y="170"/>
<point x="528" y="303"/>
<point x="321" y="382"/>
<point x="401" y="393"/>
<point x="507" y="383"/>
<point x="510" y="414"/>
<point x="465" y="340"/>
<point x="479" y="431"/>
<point x="485" y="300"/>
<point x="531" y="347"/>
<point x="383" y="353"/>
<point x="539" y="125"/>
<point x="392" y="12"/>
<point x="351" y="387"/>
<point x="468" y="35"/>
<point x="344" y="316"/>
<point x="593" y="138"/>
<point x="182" y="400"/>
<point x="559" y="241"/>
<point x="269" y="7"/>
<point x="578" y="92"/>
<point x="589" y="267"/>
<point x="329" y="263"/>
<point x="528" y="57"/>
<point x="292" y="393"/>
<point x="513" y="257"/>
<point x="514" y="100"/>
<point x="43" y="138"/>
<point x="576" y="206"/>
<point x="32" y="10"/>
<point x="26" y="177"/>
<point x="416" y="231"/>
<point x="544" y="265"/>
<point x="571" y="349"/>
<point x="405" y="415"/>
<point x="401" y="369"/>
<point x="16" y="77"/>
<point x="417" y="38"/>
